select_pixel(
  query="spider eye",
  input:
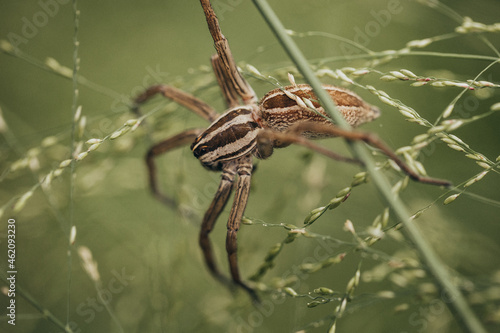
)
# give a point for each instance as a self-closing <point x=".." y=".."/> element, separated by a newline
<point x="200" y="150"/>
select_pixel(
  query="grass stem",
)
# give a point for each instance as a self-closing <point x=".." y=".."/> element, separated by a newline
<point x="450" y="293"/>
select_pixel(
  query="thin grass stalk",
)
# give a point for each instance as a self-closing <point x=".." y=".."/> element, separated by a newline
<point x="44" y="311"/>
<point x="74" y="109"/>
<point x="457" y="303"/>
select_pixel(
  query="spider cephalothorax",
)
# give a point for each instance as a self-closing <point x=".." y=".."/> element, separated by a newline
<point x="284" y="116"/>
<point x="229" y="137"/>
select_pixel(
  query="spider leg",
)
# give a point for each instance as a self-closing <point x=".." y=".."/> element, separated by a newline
<point x="194" y="104"/>
<point x="211" y="215"/>
<point x="269" y="139"/>
<point x="293" y="136"/>
<point x="160" y="148"/>
<point x="376" y="142"/>
<point x="229" y="67"/>
<point x="244" y="170"/>
<point x="228" y="91"/>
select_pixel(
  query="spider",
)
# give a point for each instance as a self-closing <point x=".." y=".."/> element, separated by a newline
<point x="249" y="129"/>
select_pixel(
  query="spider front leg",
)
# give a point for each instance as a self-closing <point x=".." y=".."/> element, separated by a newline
<point x="211" y="215"/>
<point x="242" y="167"/>
<point x="244" y="170"/>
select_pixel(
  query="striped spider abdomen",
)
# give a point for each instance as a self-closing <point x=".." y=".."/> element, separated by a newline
<point x="279" y="109"/>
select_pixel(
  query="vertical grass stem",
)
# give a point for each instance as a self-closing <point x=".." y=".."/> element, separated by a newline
<point x="454" y="298"/>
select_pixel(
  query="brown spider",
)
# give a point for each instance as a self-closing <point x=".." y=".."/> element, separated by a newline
<point x="249" y="129"/>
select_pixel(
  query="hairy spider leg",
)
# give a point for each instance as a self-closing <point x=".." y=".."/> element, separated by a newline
<point x="183" y="98"/>
<point x="229" y="66"/>
<point x="293" y="136"/>
<point x="177" y="141"/>
<point x="244" y="170"/>
<point x="225" y="84"/>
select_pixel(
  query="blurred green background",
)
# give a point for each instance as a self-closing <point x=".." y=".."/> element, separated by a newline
<point x="148" y="257"/>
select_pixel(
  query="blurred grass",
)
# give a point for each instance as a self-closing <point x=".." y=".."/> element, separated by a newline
<point x="121" y="44"/>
